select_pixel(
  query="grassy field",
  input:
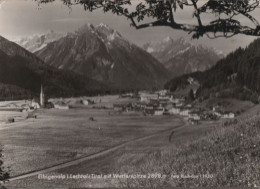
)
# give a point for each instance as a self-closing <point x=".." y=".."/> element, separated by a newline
<point x="113" y="162"/>
<point x="232" y="105"/>
<point x="229" y="155"/>
<point x="60" y="135"/>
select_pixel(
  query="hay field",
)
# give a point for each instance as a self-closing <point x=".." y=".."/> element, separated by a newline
<point x="60" y="135"/>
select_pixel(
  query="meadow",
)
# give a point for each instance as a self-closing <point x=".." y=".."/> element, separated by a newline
<point x="130" y="154"/>
<point x="223" y="153"/>
<point x="229" y="155"/>
<point x="60" y="135"/>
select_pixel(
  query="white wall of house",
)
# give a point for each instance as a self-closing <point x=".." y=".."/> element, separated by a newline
<point x="174" y="111"/>
<point x="85" y="102"/>
<point x="194" y="116"/>
<point x="228" y="116"/>
<point x="159" y="111"/>
<point x="61" y="107"/>
<point x="184" y="113"/>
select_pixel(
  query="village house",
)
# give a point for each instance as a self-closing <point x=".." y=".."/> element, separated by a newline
<point x="159" y="111"/>
<point x="149" y="110"/>
<point x="164" y="98"/>
<point x="175" y="100"/>
<point x="189" y="106"/>
<point x="34" y="105"/>
<point x="168" y="106"/>
<point x="118" y="107"/>
<point x="154" y="102"/>
<point x="209" y="115"/>
<point x="162" y="103"/>
<point x="61" y="105"/>
<point x="127" y="95"/>
<point x="179" y="105"/>
<point x="147" y="97"/>
<point x="222" y="114"/>
<point x="217" y="114"/>
<point x="184" y="112"/>
<point x="166" y="112"/>
<point x="142" y="105"/>
<point x="174" y="110"/>
<point x="162" y="92"/>
<point x="194" y="116"/>
<point x="87" y="102"/>
<point x="229" y="115"/>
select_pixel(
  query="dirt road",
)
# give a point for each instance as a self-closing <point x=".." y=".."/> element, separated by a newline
<point x="90" y="157"/>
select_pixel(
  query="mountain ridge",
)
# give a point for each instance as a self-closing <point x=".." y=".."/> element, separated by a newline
<point x="181" y="57"/>
<point x="237" y="76"/>
<point x="37" y="42"/>
<point x="20" y="68"/>
<point x="103" y="54"/>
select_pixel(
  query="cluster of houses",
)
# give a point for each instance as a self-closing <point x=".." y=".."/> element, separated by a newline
<point x="164" y="103"/>
<point x="66" y="104"/>
<point x="150" y="103"/>
<point x="20" y="106"/>
<point x="15" y="111"/>
<point x="62" y="104"/>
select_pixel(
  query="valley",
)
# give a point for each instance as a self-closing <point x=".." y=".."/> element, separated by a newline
<point x="98" y="138"/>
<point x="107" y="106"/>
<point x="58" y="136"/>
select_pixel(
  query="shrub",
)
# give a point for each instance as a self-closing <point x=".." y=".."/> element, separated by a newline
<point x="3" y="174"/>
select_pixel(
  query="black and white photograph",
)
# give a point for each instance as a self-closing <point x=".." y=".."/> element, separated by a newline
<point x="129" y="94"/>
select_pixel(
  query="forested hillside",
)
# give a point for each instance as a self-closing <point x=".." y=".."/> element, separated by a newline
<point x="102" y="54"/>
<point x="237" y="75"/>
<point x="22" y="74"/>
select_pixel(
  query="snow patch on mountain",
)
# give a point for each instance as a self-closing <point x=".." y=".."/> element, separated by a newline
<point x="39" y="41"/>
<point x="182" y="51"/>
<point x="112" y="36"/>
<point x="96" y="51"/>
<point x="150" y="49"/>
<point x="181" y="57"/>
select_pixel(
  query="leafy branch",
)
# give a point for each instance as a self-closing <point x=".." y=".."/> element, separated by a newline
<point x="225" y="20"/>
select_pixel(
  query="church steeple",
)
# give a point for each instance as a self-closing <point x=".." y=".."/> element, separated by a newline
<point x="42" y="101"/>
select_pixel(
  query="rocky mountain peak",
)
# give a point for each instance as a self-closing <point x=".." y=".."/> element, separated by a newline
<point x="106" y="32"/>
<point x="181" y="57"/>
<point x="39" y="41"/>
<point x="101" y="53"/>
<point x="85" y="28"/>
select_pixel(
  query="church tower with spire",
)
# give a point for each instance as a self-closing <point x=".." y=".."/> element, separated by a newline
<point x="42" y="98"/>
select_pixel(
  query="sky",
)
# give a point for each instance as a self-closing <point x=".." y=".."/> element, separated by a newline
<point x="23" y="18"/>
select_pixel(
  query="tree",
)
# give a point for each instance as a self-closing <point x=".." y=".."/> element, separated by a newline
<point x="191" y="95"/>
<point x="3" y="174"/>
<point x="225" y="22"/>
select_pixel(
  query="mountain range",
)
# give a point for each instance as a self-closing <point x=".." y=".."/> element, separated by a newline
<point x="235" y="76"/>
<point x="177" y="56"/>
<point x="97" y="59"/>
<point x="22" y="73"/>
<point x="181" y="57"/>
<point x="37" y="42"/>
<point x="103" y="54"/>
